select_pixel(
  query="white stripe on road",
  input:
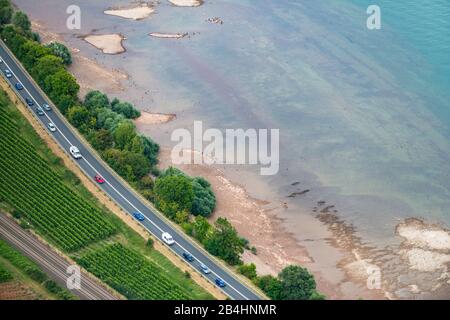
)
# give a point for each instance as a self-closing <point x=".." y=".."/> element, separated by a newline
<point x="123" y="197"/>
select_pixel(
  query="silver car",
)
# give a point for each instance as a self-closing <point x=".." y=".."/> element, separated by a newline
<point x="51" y="127"/>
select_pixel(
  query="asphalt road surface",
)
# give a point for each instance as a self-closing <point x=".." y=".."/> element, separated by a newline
<point x="52" y="263"/>
<point x="116" y="189"/>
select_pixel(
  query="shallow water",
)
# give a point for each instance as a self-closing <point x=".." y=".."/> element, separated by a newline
<point x="364" y="115"/>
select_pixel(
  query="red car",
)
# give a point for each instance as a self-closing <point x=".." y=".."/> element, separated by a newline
<point x="98" y="178"/>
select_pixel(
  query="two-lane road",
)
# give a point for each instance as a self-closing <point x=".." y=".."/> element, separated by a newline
<point x="116" y="189"/>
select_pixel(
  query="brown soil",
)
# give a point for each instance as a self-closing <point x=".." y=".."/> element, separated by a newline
<point x="14" y="290"/>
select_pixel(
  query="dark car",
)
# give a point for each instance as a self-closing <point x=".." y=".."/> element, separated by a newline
<point x="19" y="86"/>
<point x="220" y="282"/>
<point x="138" y="216"/>
<point x="29" y="102"/>
<point x="188" y="256"/>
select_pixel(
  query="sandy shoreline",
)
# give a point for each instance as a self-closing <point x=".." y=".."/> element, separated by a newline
<point x="99" y="77"/>
<point x="148" y="118"/>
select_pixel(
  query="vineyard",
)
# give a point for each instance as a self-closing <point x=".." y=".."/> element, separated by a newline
<point x="131" y="274"/>
<point x="34" y="189"/>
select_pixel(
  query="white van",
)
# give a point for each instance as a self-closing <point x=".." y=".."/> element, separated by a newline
<point x="75" y="152"/>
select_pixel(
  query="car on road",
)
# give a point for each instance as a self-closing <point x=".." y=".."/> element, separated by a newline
<point x="46" y="107"/>
<point x="51" y="127"/>
<point x="75" y="152"/>
<point x="29" y="102"/>
<point x="188" y="256"/>
<point x="39" y="111"/>
<point x="205" y="269"/>
<point x="138" y="216"/>
<point x="8" y="73"/>
<point x="220" y="282"/>
<point x="19" y="86"/>
<point x="98" y="178"/>
<point x="167" y="238"/>
<point x="1" y="60"/>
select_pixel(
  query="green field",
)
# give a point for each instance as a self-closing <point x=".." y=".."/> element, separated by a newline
<point x="130" y="273"/>
<point x="33" y="189"/>
<point x="44" y="195"/>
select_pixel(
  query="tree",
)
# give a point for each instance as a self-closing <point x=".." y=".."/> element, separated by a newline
<point x="78" y="116"/>
<point x="204" y="199"/>
<point x="108" y="119"/>
<point x="125" y="108"/>
<point x="151" y="149"/>
<point x="136" y="145"/>
<point x="124" y="134"/>
<point x="248" y="270"/>
<point x="296" y="283"/>
<point x="61" y="51"/>
<point x="20" y="20"/>
<point x="129" y="165"/>
<point x="46" y="66"/>
<point x="270" y="285"/>
<point x="31" y="52"/>
<point x="201" y="229"/>
<point x="6" y="12"/>
<point x="10" y="35"/>
<point x="175" y="189"/>
<point x="63" y="89"/>
<point x="225" y="242"/>
<point x="182" y="216"/>
<point x="95" y="100"/>
<point x="102" y="140"/>
<point x="146" y="183"/>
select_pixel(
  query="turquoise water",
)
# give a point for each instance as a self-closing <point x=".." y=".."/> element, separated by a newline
<point x="364" y="115"/>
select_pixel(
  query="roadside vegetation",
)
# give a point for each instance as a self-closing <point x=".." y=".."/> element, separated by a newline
<point x="17" y="267"/>
<point x="107" y="125"/>
<point x="36" y="183"/>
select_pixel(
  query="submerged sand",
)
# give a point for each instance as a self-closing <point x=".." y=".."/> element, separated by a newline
<point x="108" y="43"/>
<point x="168" y="35"/>
<point x="136" y="13"/>
<point x="186" y="3"/>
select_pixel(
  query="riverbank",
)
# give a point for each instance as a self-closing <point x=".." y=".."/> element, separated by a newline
<point x="347" y="265"/>
<point x="257" y="220"/>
